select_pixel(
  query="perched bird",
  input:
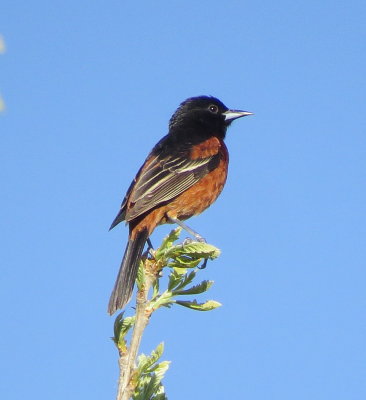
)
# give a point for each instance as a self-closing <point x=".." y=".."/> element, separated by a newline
<point x="183" y="175"/>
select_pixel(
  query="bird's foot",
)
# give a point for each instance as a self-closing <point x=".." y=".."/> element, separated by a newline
<point x="200" y="239"/>
<point x="186" y="241"/>
<point x="150" y="248"/>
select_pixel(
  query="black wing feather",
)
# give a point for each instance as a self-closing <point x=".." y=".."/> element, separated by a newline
<point x="165" y="179"/>
<point x="160" y="179"/>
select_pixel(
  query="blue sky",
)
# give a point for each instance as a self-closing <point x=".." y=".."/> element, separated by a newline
<point x="89" y="88"/>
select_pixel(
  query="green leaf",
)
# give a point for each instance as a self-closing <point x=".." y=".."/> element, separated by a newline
<point x="146" y="388"/>
<point x="186" y="280"/>
<point x="201" y="249"/>
<point x="121" y="328"/>
<point x="195" y="250"/>
<point x="146" y="362"/>
<point x="196" y="289"/>
<point x="160" y="396"/>
<point x="165" y="299"/>
<point x="150" y="374"/>
<point x="184" y="261"/>
<point x="207" y="306"/>
<point x="167" y="243"/>
<point x="179" y="270"/>
<point x="122" y="325"/>
<point x="149" y="388"/>
<point x="161" y="368"/>
<point x="140" y="280"/>
<point x="176" y="276"/>
<point x="118" y="324"/>
<point x="128" y="323"/>
<point x="155" y="287"/>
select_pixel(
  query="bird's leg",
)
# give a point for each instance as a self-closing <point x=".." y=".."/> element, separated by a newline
<point x="150" y="247"/>
<point x="187" y="240"/>
<point x="149" y="244"/>
<point x="197" y="236"/>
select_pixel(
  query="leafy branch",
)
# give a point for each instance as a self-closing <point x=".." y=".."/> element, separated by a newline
<point x="141" y="379"/>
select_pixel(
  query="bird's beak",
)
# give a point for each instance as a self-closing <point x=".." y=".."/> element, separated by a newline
<point x="230" y="115"/>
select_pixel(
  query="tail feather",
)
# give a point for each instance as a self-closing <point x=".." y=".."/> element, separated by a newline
<point x="125" y="282"/>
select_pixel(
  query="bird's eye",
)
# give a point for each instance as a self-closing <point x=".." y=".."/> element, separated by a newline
<point x="213" y="108"/>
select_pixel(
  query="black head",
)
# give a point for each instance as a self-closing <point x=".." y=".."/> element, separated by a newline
<point x="203" y="116"/>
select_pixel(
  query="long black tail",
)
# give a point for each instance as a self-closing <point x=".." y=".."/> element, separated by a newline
<point x="125" y="282"/>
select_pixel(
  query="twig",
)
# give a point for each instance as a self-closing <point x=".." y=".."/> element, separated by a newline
<point x="126" y="385"/>
<point x="144" y="380"/>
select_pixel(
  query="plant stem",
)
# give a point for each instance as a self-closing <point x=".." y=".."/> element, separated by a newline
<point x="126" y="386"/>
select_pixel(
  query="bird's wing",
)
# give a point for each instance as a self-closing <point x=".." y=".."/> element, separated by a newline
<point x="162" y="179"/>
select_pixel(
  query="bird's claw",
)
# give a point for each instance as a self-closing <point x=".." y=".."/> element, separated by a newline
<point x="197" y="238"/>
<point x="200" y="239"/>
<point x="186" y="241"/>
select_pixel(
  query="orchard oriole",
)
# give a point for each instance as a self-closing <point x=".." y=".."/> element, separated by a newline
<point x="183" y="175"/>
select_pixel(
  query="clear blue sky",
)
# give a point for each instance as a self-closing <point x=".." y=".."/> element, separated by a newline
<point x="89" y="88"/>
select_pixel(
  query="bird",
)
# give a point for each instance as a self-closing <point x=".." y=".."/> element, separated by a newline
<point x="182" y="176"/>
